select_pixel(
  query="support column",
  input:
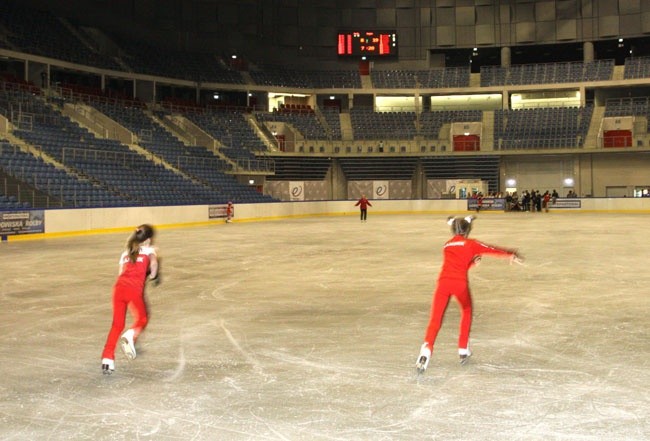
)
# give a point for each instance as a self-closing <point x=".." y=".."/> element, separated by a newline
<point x="587" y="51"/>
<point x="505" y="57"/>
<point x="418" y="190"/>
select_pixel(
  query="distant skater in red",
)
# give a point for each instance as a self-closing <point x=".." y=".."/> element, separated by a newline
<point x="138" y="263"/>
<point x="363" y="205"/>
<point x="459" y="254"/>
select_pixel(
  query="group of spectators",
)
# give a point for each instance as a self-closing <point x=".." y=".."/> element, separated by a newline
<point x="533" y="201"/>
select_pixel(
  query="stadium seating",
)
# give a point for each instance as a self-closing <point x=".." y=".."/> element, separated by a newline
<point x="374" y="168"/>
<point x="370" y="125"/>
<point x="41" y="33"/>
<point x="543" y="128"/>
<point x="485" y="168"/>
<point x="307" y="123"/>
<point x="432" y="121"/>
<point x="107" y="167"/>
<point x="547" y="73"/>
<point x="194" y="66"/>
<point x="230" y="127"/>
<point x="638" y="106"/>
<point x="60" y="188"/>
<point x="430" y="79"/>
<point x="284" y="76"/>
<point x="296" y="168"/>
<point x="637" y="68"/>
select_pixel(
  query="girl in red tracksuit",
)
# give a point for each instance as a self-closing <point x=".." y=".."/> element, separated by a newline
<point x="137" y="264"/>
<point x="460" y="254"/>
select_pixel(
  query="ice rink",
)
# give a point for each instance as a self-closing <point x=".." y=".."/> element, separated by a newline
<point x="309" y="329"/>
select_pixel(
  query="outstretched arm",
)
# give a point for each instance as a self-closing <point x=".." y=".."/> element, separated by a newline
<point x="483" y="249"/>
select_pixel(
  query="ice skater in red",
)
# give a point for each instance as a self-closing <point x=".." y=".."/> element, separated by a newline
<point x="363" y="205"/>
<point x="230" y="211"/>
<point x="137" y="264"/>
<point x="459" y="254"/>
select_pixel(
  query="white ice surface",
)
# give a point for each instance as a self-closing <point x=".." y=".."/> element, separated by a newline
<point x="309" y="329"/>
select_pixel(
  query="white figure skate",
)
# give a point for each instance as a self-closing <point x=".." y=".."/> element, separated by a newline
<point x="108" y="366"/>
<point x="423" y="359"/>
<point x="128" y="345"/>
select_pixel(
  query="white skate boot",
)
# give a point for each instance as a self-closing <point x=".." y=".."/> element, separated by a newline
<point x="423" y="359"/>
<point x="128" y="346"/>
<point x="464" y="355"/>
<point x="108" y="366"/>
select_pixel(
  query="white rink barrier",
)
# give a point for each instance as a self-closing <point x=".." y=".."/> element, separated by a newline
<point x="63" y="222"/>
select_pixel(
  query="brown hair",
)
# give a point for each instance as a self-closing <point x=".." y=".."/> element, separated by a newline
<point x="461" y="226"/>
<point x="142" y="233"/>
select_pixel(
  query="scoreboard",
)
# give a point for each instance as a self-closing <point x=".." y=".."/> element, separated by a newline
<point x="367" y="43"/>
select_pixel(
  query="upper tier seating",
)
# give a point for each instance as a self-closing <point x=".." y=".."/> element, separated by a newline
<point x="307" y="124"/>
<point x="432" y="121"/>
<point x="428" y="79"/>
<point x="368" y="124"/>
<point x="637" y="68"/>
<point x="271" y="75"/>
<point x="333" y="121"/>
<point x="41" y="33"/>
<point x="637" y="106"/>
<point x="238" y="139"/>
<point x="547" y="73"/>
<point x="359" y="169"/>
<point x="542" y="128"/>
<point x="194" y="66"/>
<point x="298" y="168"/>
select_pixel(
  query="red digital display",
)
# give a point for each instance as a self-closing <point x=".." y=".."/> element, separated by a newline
<point x="367" y="43"/>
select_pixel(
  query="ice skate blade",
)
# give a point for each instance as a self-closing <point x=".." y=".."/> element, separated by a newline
<point x="464" y="359"/>
<point x="421" y="365"/>
<point x="127" y="349"/>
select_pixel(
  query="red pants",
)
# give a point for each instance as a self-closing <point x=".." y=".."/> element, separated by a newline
<point x="125" y="296"/>
<point x="447" y="288"/>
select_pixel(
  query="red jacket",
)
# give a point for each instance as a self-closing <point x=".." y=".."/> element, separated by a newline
<point x="365" y="203"/>
<point x="460" y="255"/>
<point x="135" y="274"/>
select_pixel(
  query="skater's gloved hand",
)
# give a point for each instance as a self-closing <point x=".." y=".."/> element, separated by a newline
<point x="156" y="280"/>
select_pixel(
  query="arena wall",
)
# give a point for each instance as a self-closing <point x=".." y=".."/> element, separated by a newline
<point x="107" y="220"/>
